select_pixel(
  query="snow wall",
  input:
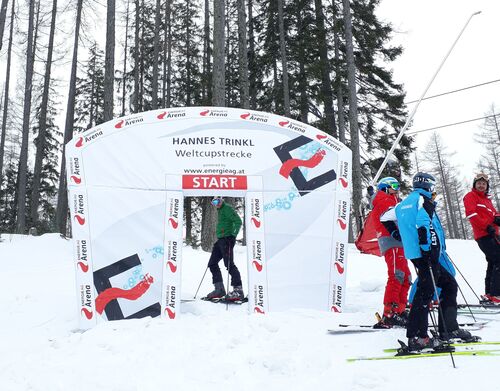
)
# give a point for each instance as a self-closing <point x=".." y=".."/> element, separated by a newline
<point x="127" y="180"/>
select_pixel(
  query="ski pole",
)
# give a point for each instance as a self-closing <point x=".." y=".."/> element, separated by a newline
<point x="408" y="121"/>
<point x="445" y="328"/>
<point x="460" y="289"/>
<point x="467" y="282"/>
<point x="202" y="278"/>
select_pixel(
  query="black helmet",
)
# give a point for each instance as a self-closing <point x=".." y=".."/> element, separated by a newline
<point x="425" y="181"/>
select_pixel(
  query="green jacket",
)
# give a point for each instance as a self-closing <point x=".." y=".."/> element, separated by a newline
<point x="229" y="223"/>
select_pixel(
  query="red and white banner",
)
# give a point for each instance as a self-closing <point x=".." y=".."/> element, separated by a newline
<point x="256" y="244"/>
<point x="171" y="286"/>
<point x="127" y="176"/>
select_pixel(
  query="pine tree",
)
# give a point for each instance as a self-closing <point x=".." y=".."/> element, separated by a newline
<point x="89" y="98"/>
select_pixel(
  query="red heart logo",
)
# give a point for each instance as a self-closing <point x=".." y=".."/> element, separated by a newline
<point x="161" y="115"/>
<point x="88" y="314"/>
<point x="170" y="313"/>
<point x="172" y="266"/>
<point x="83" y="266"/>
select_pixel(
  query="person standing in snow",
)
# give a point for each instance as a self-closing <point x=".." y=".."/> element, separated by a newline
<point x="389" y="241"/>
<point x="228" y="226"/>
<point x="424" y="242"/>
<point x="485" y="220"/>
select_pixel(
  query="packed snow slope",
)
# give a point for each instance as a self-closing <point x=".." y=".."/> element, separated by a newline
<point x="209" y="347"/>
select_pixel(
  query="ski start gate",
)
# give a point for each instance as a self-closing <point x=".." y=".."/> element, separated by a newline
<point x="127" y="180"/>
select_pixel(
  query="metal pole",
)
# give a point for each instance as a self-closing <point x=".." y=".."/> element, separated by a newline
<point x="401" y="133"/>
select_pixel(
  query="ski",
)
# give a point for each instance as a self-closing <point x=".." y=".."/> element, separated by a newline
<point x="365" y="328"/>
<point x="455" y="344"/>
<point x="481" y="353"/>
<point x="224" y="300"/>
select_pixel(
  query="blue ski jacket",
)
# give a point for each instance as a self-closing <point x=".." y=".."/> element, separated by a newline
<point x="411" y="216"/>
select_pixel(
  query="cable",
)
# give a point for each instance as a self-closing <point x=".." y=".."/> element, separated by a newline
<point x="453" y="124"/>
<point x="453" y="91"/>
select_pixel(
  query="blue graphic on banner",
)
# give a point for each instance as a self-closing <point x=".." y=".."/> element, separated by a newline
<point x="155" y="252"/>
<point x="282" y="203"/>
<point x="305" y="153"/>
<point x="137" y="275"/>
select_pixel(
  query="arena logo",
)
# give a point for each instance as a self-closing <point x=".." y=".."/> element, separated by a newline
<point x="170" y="308"/>
<point x="342" y="215"/>
<point x="329" y="141"/>
<point x="344" y="172"/>
<point x="340" y="257"/>
<point x="255" y="117"/>
<point x="86" y="139"/>
<point x="74" y="166"/>
<point x="86" y="301"/>
<point x="259" y="299"/>
<point x="256" y="212"/>
<point x="257" y="255"/>
<point x="337" y="298"/>
<point x="127" y="122"/>
<point x="171" y="114"/>
<point x="82" y="255"/>
<point x="79" y="208"/>
<point x="213" y="113"/>
<point x="172" y="256"/>
<point x="293" y="126"/>
<point x="174" y="212"/>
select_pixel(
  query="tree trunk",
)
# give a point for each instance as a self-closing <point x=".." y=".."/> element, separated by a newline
<point x="218" y="78"/>
<point x="286" y="89"/>
<point x="156" y="56"/>
<point x="6" y="96"/>
<point x="169" y="54"/>
<point x="23" y="156"/>
<point x="251" y="58"/>
<point x="125" y="56"/>
<point x="353" y="116"/>
<point x="3" y="16"/>
<point x="340" y="92"/>
<point x="109" y="66"/>
<point x="62" y="196"/>
<point x="137" y="56"/>
<point x="242" y="55"/>
<point x="188" y="55"/>
<point x="40" y="147"/>
<point x="303" y="100"/>
<point x="326" y="83"/>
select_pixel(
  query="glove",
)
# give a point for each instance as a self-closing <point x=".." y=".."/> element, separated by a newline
<point x="395" y="234"/>
<point x="497" y="220"/>
<point x="427" y="256"/>
<point x="491" y="230"/>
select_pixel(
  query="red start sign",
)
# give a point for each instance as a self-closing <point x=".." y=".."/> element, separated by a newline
<point x="221" y="182"/>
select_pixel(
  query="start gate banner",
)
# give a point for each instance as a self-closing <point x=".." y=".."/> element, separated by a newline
<point x="127" y="179"/>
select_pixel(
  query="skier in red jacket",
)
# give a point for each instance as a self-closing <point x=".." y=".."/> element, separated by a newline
<point x="485" y="221"/>
<point x="389" y="241"/>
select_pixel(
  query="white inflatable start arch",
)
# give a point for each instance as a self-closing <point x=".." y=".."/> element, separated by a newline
<point x="127" y="180"/>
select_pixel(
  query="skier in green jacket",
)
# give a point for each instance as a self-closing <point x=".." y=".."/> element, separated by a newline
<point x="228" y="226"/>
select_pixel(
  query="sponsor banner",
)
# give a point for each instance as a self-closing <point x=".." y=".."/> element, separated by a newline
<point x="82" y="258"/>
<point x="74" y="170"/>
<point x="256" y="252"/>
<point x="171" y="283"/>
<point x="338" y="261"/>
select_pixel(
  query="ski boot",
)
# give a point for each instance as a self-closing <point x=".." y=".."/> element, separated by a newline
<point x="460" y="335"/>
<point x="218" y="293"/>
<point x="236" y="294"/>
<point x="424" y="344"/>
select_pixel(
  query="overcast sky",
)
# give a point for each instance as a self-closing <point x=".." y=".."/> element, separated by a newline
<point x="427" y="29"/>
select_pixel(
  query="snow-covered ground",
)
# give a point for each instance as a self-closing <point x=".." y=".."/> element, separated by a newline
<point x="209" y="347"/>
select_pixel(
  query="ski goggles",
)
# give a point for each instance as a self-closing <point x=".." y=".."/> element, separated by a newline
<point x="216" y="202"/>
<point x="481" y="176"/>
<point x="395" y="186"/>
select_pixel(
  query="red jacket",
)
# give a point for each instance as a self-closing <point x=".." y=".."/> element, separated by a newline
<point x="381" y="203"/>
<point x="480" y="211"/>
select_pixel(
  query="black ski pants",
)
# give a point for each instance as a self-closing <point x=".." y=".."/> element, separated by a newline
<point x="490" y="246"/>
<point x="418" y="321"/>
<point x="223" y="249"/>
